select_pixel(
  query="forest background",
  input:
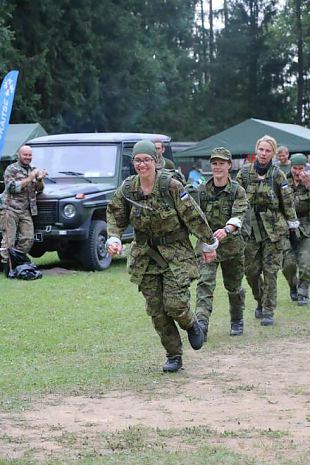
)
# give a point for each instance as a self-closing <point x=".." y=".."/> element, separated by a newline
<point x="187" y="68"/>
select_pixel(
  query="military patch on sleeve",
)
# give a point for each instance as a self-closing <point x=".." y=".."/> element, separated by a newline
<point x="284" y="185"/>
<point x="184" y="195"/>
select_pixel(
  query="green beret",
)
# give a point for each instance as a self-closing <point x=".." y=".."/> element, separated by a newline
<point x="221" y="153"/>
<point x="144" y="146"/>
<point x="298" y="159"/>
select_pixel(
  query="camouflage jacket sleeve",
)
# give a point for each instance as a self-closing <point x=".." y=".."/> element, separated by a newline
<point x="190" y="213"/>
<point x="39" y="186"/>
<point x="12" y="183"/>
<point x="286" y="197"/>
<point x="239" y="179"/>
<point x="117" y="215"/>
<point x="239" y="208"/>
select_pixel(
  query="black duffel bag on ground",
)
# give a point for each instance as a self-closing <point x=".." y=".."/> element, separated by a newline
<point x="20" y="266"/>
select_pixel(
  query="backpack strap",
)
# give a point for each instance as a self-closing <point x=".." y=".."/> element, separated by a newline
<point x="274" y="171"/>
<point x="245" y="174"/>
<point x="234" y="189"/>
<point x="128" y="194"/>
<point x="164" y="184"/>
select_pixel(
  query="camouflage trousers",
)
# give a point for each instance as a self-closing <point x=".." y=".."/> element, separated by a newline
<point x="296" y="266"/>
<point x="232" y="272"/>
<point x="262" y="263"/>
<point x="17" y="232"/>
<point x="167" y="303"/>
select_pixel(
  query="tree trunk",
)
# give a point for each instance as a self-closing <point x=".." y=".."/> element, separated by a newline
<point x="300" y="63"/>
<point x="204" y="43"/>
<point x="211" y="37"/>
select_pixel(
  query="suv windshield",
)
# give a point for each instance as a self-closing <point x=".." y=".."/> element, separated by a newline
<point x="91" y="161"/>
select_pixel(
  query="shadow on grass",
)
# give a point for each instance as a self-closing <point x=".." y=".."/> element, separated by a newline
<point x="50" y="260"/>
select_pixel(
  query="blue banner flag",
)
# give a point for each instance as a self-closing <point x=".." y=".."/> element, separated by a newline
<point x="7" y="93"/>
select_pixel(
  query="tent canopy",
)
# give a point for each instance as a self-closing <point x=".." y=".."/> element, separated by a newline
<point x="241" y="139"/>
<point x="19" y="134"/>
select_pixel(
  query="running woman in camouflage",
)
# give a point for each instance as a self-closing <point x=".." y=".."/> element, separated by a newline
<point x="272" y="214"/>
<point x="161" y="258"/>
<point x="225" y="204"/>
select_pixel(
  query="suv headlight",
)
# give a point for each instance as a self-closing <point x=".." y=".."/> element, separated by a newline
<point x="69" y="210"/>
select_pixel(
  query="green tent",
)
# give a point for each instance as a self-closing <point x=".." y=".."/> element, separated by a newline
<point x="241" y="138"/>
<point x="17" y="135"/>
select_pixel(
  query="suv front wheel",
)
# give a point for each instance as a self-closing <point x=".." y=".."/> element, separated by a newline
<point x="93" y="254"/>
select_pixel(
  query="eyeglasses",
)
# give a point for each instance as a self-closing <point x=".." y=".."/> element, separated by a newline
<point x="139" y="161"/>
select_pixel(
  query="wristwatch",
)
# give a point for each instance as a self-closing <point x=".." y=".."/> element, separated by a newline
<point x="227" y="230"/>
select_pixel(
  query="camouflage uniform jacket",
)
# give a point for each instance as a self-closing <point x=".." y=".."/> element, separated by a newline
<point x="159" y="219"/>
<point x="15" y="197"/>
<point x="271" y="202"/>
<point x="219" y="208"/>
<point x="302" y="205"/>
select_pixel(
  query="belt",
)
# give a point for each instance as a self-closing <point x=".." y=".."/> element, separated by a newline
<point x="260" y="209"/>
<point x="154" y="241"/>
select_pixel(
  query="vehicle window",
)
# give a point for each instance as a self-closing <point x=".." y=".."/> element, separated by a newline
<point x="92" y="161"/>
<point x="127" y="166"/>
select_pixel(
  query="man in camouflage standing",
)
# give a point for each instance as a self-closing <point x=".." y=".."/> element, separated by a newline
<point x="22" y="183"/>
<point x="296" y="263"/>
<point x="272" y="213"/>
<point x="225" y="204"/>
<point x="162" y="162"/>
<point x="161" y="258"/>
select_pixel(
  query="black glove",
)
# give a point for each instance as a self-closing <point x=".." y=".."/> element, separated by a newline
<point x="294" y="240"/>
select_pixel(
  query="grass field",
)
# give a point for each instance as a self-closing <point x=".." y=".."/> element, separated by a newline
<point x="86" y="334"/>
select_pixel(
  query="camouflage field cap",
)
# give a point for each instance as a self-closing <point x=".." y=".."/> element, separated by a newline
<point x="221" y="153"/>
<point x="298" y="159"/>
<point x="144" y="146"/>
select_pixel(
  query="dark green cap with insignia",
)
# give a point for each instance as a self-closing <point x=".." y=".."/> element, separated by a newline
<point x="221" y="153"/>
<point x="298" y="159"/>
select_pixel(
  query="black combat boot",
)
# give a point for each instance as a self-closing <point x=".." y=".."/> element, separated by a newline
<point x="6" y="269"/>
<point x="173" y="364"/>
<point x="267" y="320"/>
<point x="259" y="312"/>
<point x="302" y="300"/>
<point x="204" y="325"/>
<point x="294" y="294"/>
<point x="195" y="336"/>
<point x="236" y="328"/>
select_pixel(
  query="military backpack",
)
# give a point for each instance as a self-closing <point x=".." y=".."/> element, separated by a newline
<point x="166" y="175"/>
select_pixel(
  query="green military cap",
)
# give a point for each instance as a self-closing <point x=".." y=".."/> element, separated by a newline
<point x="144" y="146"/>
<point x="298" y="159"/>
<point x="222" y="153"/>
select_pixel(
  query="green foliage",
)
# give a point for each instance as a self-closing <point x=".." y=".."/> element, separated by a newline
<point x="141" y="65"/>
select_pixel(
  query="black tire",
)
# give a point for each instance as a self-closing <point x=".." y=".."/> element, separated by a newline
<point x="93" y="255"/>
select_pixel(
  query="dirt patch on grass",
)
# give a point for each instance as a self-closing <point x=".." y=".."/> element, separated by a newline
<point x="253" y="401"/>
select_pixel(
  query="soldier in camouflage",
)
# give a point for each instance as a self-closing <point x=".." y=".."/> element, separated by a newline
<point x="270" y="216"/>
<point x="162" y="162"/>
<point x="22" y="183"/>
<point x="225" y="204"/>
<point x="296" y="263"/>
<point x="161" y="258"/>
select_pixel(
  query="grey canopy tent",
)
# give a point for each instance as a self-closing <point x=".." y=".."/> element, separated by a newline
<point x="241" y="138"/>
<point x="17" y="135"/>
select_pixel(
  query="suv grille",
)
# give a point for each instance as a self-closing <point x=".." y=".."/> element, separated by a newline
<point x="47" y="214"/>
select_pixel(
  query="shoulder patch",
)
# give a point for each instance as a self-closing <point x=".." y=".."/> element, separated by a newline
<point x="284" y="185"/>
<point x="184" y="195"/>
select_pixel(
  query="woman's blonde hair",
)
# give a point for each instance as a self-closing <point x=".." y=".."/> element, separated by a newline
<point x="270" y="141"/>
